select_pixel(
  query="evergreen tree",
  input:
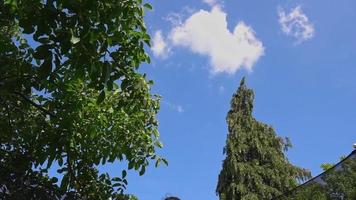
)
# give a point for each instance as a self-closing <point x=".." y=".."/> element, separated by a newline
<point x="255" y="167"/>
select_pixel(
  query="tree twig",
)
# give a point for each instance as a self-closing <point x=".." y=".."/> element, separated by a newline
<point x="34" y="104"/>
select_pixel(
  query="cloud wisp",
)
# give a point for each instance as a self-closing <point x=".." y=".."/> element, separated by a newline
<point x="211" y="2"/>
<point x="159" y="46"/>
<point x="172" y="106"/>
<point x="206" y="33"/>
<point x="296" y="24"/>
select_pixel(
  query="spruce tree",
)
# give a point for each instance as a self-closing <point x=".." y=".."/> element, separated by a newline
<point x="255" y="167"/>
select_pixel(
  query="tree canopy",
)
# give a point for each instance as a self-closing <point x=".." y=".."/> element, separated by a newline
<point x="255" y="166"/>
<point x="71" y="94"/>
<point x="336" y="183"/>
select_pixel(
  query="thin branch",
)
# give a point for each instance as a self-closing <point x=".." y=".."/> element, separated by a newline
<point x="17" y="108"/>
<point x="34" y="104"/>
<point x="15" y="76"/>
<point x="73" y="178"/>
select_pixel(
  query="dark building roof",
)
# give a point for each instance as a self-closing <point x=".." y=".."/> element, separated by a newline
<point x="172" y="198"/>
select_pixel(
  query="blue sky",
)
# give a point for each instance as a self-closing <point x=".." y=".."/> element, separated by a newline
<point x="298" y="56"/>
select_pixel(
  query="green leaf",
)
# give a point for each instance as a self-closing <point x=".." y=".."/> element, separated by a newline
<point x="116" y="179"/>
<point x="42" y="52"/>
<point x="148" y="6"/>
<point x="117" y="185"/>
<point x="159" y="144"/>
<point x="131" y="165"/>
<point x="12" y="3"/>
<point x="101" y="97"/>
<point x="74" y="40"/>
<point x="61" y="170"/>
<point x="60" y="161"/>
<point x="54" y="180"/>
<point x="28" y="29"/>
<point x="110" y="85"/>
<point x="23" y="41"/>
<point x="124" y="173"/>
<point x="44" y="40"/>
<point x="65" y="182"/>
<point x="143" y="170"/>
<point x="158" y="162"/>
<point x="49" y="162"/>
<point x="165" y="161"/>
<point x="45" y="69"/>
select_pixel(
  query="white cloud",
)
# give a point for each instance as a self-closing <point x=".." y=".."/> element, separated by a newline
<point x="221" y="89"/>
<point x="175" y="107"/>
<point x="174" y="18"/>
<point x="159" y="47"/>
<point x="296" y="24"/>
<point x="180" y="109"/>
<point x="211" y="2"/>
<point x="207" y="33"/>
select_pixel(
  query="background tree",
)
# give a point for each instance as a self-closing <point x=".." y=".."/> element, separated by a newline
<point x="341" y="181"/>
<point x="255" y="166"/>
<point x="71" y="93"/>
<point x="336" y="183"/>
<point x="327" y="166"/>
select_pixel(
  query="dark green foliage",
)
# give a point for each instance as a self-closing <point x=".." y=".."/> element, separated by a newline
<point x="255" y="167"/>
<point x="71" y="93"/>
<point x="312" y="192"/>
<point x="337" y="183"/>
<point x="341" y="183"/>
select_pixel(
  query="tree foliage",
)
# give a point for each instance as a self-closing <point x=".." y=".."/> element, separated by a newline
<point x="71" y="94"/>
<point x="337" y="183"/>
<point x="327" y="166"/>
<point x="255" y="166"/>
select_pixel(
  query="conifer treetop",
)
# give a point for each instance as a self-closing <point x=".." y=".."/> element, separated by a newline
<point x="255" y="167"/>
<point x="242" y="101"/>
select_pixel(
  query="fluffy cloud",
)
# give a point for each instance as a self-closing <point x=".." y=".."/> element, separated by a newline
<point x="159" y="47"/>
<point x="207" y="33"/>
<point x="296" y="24"/>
